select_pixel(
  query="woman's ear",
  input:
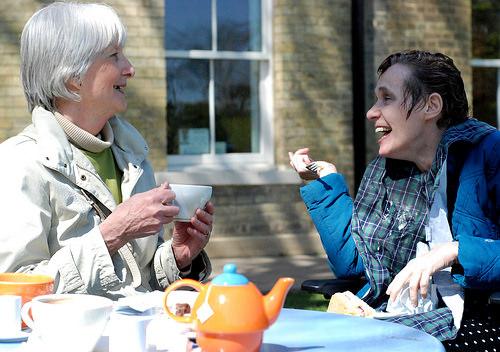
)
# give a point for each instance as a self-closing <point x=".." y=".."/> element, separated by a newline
<point x="434" y="106"/>
<point x="74" y="85"/>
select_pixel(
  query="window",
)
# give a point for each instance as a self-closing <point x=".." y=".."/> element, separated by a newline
<point x="486" y="62"/>
<point x="218" y="59"/>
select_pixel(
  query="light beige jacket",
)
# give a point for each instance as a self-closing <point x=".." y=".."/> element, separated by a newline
<point x="48" y="226"/>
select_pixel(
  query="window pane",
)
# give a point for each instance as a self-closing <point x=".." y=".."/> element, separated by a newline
<point x="237" y="106"/>
<point x="486" y="29"/>
<point x="187" y="106"/>
<point x="187" y="25"/>
<point x="238" y="25"/>
<point x="484" y="83"/>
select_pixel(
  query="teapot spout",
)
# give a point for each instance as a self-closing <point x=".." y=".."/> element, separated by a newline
<point x="274" y="300"/>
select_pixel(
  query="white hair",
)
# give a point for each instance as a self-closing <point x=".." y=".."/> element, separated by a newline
<point x="59" y="43"/>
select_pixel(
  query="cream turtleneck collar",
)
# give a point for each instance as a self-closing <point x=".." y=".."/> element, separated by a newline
<point x="83" y="139"/>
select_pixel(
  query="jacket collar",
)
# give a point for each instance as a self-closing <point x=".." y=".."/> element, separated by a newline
<point x="54" y="148"/>
<point x="57" y="153"/>
<point x="129" y="146"/>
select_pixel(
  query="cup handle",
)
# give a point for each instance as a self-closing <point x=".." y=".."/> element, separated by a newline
<point x="26" y="316"/>
<point x="181" y="283"/>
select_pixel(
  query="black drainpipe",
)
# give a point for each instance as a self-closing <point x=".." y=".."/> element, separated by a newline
<point x="358" y="89"/>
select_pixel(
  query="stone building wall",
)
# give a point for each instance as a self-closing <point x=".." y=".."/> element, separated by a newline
<point x="13" y="108"/>
<point x="312" y="80"/>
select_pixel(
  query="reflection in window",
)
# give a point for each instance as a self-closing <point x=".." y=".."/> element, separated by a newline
<point x="486" y="74"/>
<point x="237" y="106"/>
<point x="484" y="82"/>
<point x="187" y="25"/>
<point x="187" y="106"/>
<point x="238" y="25"/>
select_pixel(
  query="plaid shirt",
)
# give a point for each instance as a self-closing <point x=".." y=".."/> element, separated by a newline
<point x="390" y="214"/>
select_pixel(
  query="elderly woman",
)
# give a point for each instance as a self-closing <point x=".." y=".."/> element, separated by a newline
<point x="79" y="198"/>
<point x="433" y="189"/>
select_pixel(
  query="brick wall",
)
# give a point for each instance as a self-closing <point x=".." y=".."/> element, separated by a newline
<point x="13" y="108"/>
<point x="263" y="220"/>
<point x="312" y="80"/>
<point x="146" y="92"/>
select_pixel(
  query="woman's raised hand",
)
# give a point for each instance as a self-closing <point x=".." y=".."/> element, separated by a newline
<point x="300" y="160"/>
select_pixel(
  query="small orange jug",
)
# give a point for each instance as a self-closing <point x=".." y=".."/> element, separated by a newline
<point x="230" y="314"/>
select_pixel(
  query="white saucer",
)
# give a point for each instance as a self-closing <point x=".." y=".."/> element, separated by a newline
<point x="17" y="337"/>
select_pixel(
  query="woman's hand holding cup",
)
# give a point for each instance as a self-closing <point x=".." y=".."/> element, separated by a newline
<point x="144" y="214"/>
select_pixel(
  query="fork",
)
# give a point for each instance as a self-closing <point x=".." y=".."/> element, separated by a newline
<point x="314" y="167"/>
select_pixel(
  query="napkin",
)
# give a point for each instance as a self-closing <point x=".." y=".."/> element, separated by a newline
<point x="403" y="306"/>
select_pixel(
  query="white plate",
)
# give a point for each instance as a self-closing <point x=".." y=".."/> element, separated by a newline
<point x="153" y="302"/>
<point x="17" y="337"/>
<point x="388" y="315"/>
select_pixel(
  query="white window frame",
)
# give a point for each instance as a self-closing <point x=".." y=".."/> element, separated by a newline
<point x="265" y="156"/>
<point x="491" y="63"/>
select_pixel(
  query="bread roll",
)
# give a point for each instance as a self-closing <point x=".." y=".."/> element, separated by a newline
<point x="350" y="304"/>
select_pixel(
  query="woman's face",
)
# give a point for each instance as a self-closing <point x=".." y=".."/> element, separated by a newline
<point x="399" y="137"/>
<point x="102" y="89"/>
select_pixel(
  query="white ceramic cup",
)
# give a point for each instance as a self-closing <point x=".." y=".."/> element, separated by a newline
<point x="189" y="198"/>
<point x="67" y="322"/>
<point x="10" y="321"/>
<point x="128" y="333"/>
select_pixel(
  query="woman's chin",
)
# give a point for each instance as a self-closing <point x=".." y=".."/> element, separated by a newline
<point x="383" y="152"/>
<point x="121" y="108"/>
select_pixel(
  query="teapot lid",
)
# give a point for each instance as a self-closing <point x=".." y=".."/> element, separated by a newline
<point x="230" y="277"/>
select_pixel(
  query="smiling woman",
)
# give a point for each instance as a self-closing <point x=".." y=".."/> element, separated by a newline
<point x="425" y="207"/>
<point x="92" y="215"/>
<point x="94" y="27"/>
<point x="101" y="91"/>
<point x="401" y="127"/>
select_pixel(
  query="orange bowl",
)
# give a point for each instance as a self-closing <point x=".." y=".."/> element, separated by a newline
<point x="25" y="285"/>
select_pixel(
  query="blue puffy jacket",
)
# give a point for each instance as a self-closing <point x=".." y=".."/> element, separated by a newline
<point x="474" y="191"/>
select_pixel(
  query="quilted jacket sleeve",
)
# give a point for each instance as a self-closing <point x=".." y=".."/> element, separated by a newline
<point x="330" y="207"/>
<point x="476" y="220"/>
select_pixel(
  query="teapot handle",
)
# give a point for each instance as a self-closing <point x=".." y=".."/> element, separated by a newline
<point x="181" y="283"/>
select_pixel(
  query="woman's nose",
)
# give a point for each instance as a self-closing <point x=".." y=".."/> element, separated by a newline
<point x="129" y="70"/>
<point x="373" y="113"/>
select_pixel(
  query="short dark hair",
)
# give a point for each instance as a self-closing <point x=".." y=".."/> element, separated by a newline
<point x="431" y="73"/>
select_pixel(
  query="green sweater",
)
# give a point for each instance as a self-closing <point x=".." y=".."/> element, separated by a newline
<point x="105" y="165"/>
<point x="98" y="151"/>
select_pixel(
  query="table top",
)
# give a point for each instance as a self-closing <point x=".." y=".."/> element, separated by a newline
<point x="299" y="330"/>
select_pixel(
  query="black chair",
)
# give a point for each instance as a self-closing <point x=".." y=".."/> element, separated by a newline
<point x="329" y="287"/>
<point x="494" y="298"/>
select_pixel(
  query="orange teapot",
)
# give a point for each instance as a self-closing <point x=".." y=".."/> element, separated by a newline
<point x="230" y="314"/>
